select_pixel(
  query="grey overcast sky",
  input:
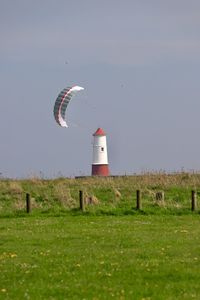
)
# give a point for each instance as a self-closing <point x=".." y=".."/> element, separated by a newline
<point x="139" y="62"/>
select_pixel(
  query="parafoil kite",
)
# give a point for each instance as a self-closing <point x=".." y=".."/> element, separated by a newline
<point x="61" y="103"/>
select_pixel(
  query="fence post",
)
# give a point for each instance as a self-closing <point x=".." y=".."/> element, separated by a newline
<point x="28" y="203"/>
<point x="81" y="201"/>
<point x="193" y="199"/>
<point x="138" y="200"/>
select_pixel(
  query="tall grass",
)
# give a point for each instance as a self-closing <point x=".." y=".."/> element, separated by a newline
<point x="104" y="195"/>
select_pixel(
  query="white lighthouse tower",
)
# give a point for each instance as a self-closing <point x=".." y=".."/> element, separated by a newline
<point x="100" y="156"/>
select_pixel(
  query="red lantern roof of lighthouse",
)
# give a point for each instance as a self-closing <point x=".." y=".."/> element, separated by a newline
<point x="99" y="131"/>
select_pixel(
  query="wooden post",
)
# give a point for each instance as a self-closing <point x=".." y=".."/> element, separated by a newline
<point x="193" y="199"/>
<point x="160" y="196"/>
<point x="81" y="201"/>
<point x="28" y="203"/>
<point x="138" y="200"/>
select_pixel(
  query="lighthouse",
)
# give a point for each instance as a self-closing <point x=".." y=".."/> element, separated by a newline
<point x="100" y="156"/>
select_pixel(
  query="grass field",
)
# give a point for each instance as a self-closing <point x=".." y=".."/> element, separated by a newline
<point x="100" y="257"/>
<point x="111" y="251"/>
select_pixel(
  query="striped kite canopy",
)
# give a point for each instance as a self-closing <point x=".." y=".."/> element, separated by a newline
<point x="61" y="103"/>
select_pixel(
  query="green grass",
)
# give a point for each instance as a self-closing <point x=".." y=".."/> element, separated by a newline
<point x="115" y="196"/>
<point x="110" y="251"/>
<point x="100" y="257"/>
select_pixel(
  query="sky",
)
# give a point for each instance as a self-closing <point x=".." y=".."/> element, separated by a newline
<point x="139" y="62"/>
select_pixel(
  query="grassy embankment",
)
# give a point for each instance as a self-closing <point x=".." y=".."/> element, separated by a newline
<point x="109" y="195"/>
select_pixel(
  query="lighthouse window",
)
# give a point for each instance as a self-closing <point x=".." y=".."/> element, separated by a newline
<point x="102" y="149"/>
